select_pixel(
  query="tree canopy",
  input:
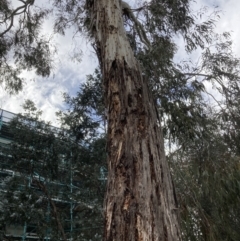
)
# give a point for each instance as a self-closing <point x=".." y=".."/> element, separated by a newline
<point x="203" y="137"/>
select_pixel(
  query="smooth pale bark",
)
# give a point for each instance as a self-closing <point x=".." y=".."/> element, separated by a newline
<point x="139" y="203"/>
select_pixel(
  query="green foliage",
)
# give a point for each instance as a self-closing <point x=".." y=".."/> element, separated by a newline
<point x="179" y="86"/>
<point x="53" y="175"/>
<point x="22" y="43"/>
<point x="85" y="118"/>
<point x="206" y="174"/>
<point x="70" y="13"/>
<point x="85" y="112"/>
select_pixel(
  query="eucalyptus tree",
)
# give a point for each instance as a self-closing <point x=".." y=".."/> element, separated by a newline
<point x="206" y="175"/>
<point x="134" y="55"/>
<point x="22" y="46"/>
<point x="85" y="120"/>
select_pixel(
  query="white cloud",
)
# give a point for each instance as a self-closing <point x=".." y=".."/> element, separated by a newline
<point x="47" y="92"/>
<point x="66" y="76"/>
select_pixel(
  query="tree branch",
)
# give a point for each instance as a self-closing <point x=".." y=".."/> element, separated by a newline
<point x="196" y="74"/>
<point x="15" y="13"/>
<point x="55" y="212"/>
<point x="139" y="28"/>
<point x="210" y="75"/>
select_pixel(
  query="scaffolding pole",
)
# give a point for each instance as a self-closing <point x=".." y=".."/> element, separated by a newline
<point x="71" y="204"/>
<point x="25" y="223"/>
<point x="48" y="221"/>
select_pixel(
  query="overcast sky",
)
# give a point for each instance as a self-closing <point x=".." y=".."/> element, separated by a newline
<point x="67" y="76"/>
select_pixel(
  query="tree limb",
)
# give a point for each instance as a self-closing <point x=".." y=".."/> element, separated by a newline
<point x="139" y="28"/>
<point x="55" y="212"/>
<point x="15" y="13"/>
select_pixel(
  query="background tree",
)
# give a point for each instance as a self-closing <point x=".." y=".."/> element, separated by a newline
<point x="85" y="120"/>
<point x="206" y="174"/>
<point x="57" y="189"/>
<point x="21" y="41"/>
<point x="35" y="157"/>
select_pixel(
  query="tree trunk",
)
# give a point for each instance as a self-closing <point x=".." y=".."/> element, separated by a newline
<point x="139" y="203"/>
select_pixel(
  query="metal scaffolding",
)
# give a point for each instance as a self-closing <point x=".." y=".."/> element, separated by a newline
<point x="63" y="192"/>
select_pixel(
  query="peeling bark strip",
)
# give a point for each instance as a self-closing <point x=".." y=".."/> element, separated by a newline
<point x="139" y="203"/>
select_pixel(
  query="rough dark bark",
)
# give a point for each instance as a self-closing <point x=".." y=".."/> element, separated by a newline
<point x="139" y="203"/>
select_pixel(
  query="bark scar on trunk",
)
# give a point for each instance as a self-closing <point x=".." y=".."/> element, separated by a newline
<point x="127" y="202"/>
<point x="139" y="229"/>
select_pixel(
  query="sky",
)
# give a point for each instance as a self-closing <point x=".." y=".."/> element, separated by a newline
<point x="67" y="75"/>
